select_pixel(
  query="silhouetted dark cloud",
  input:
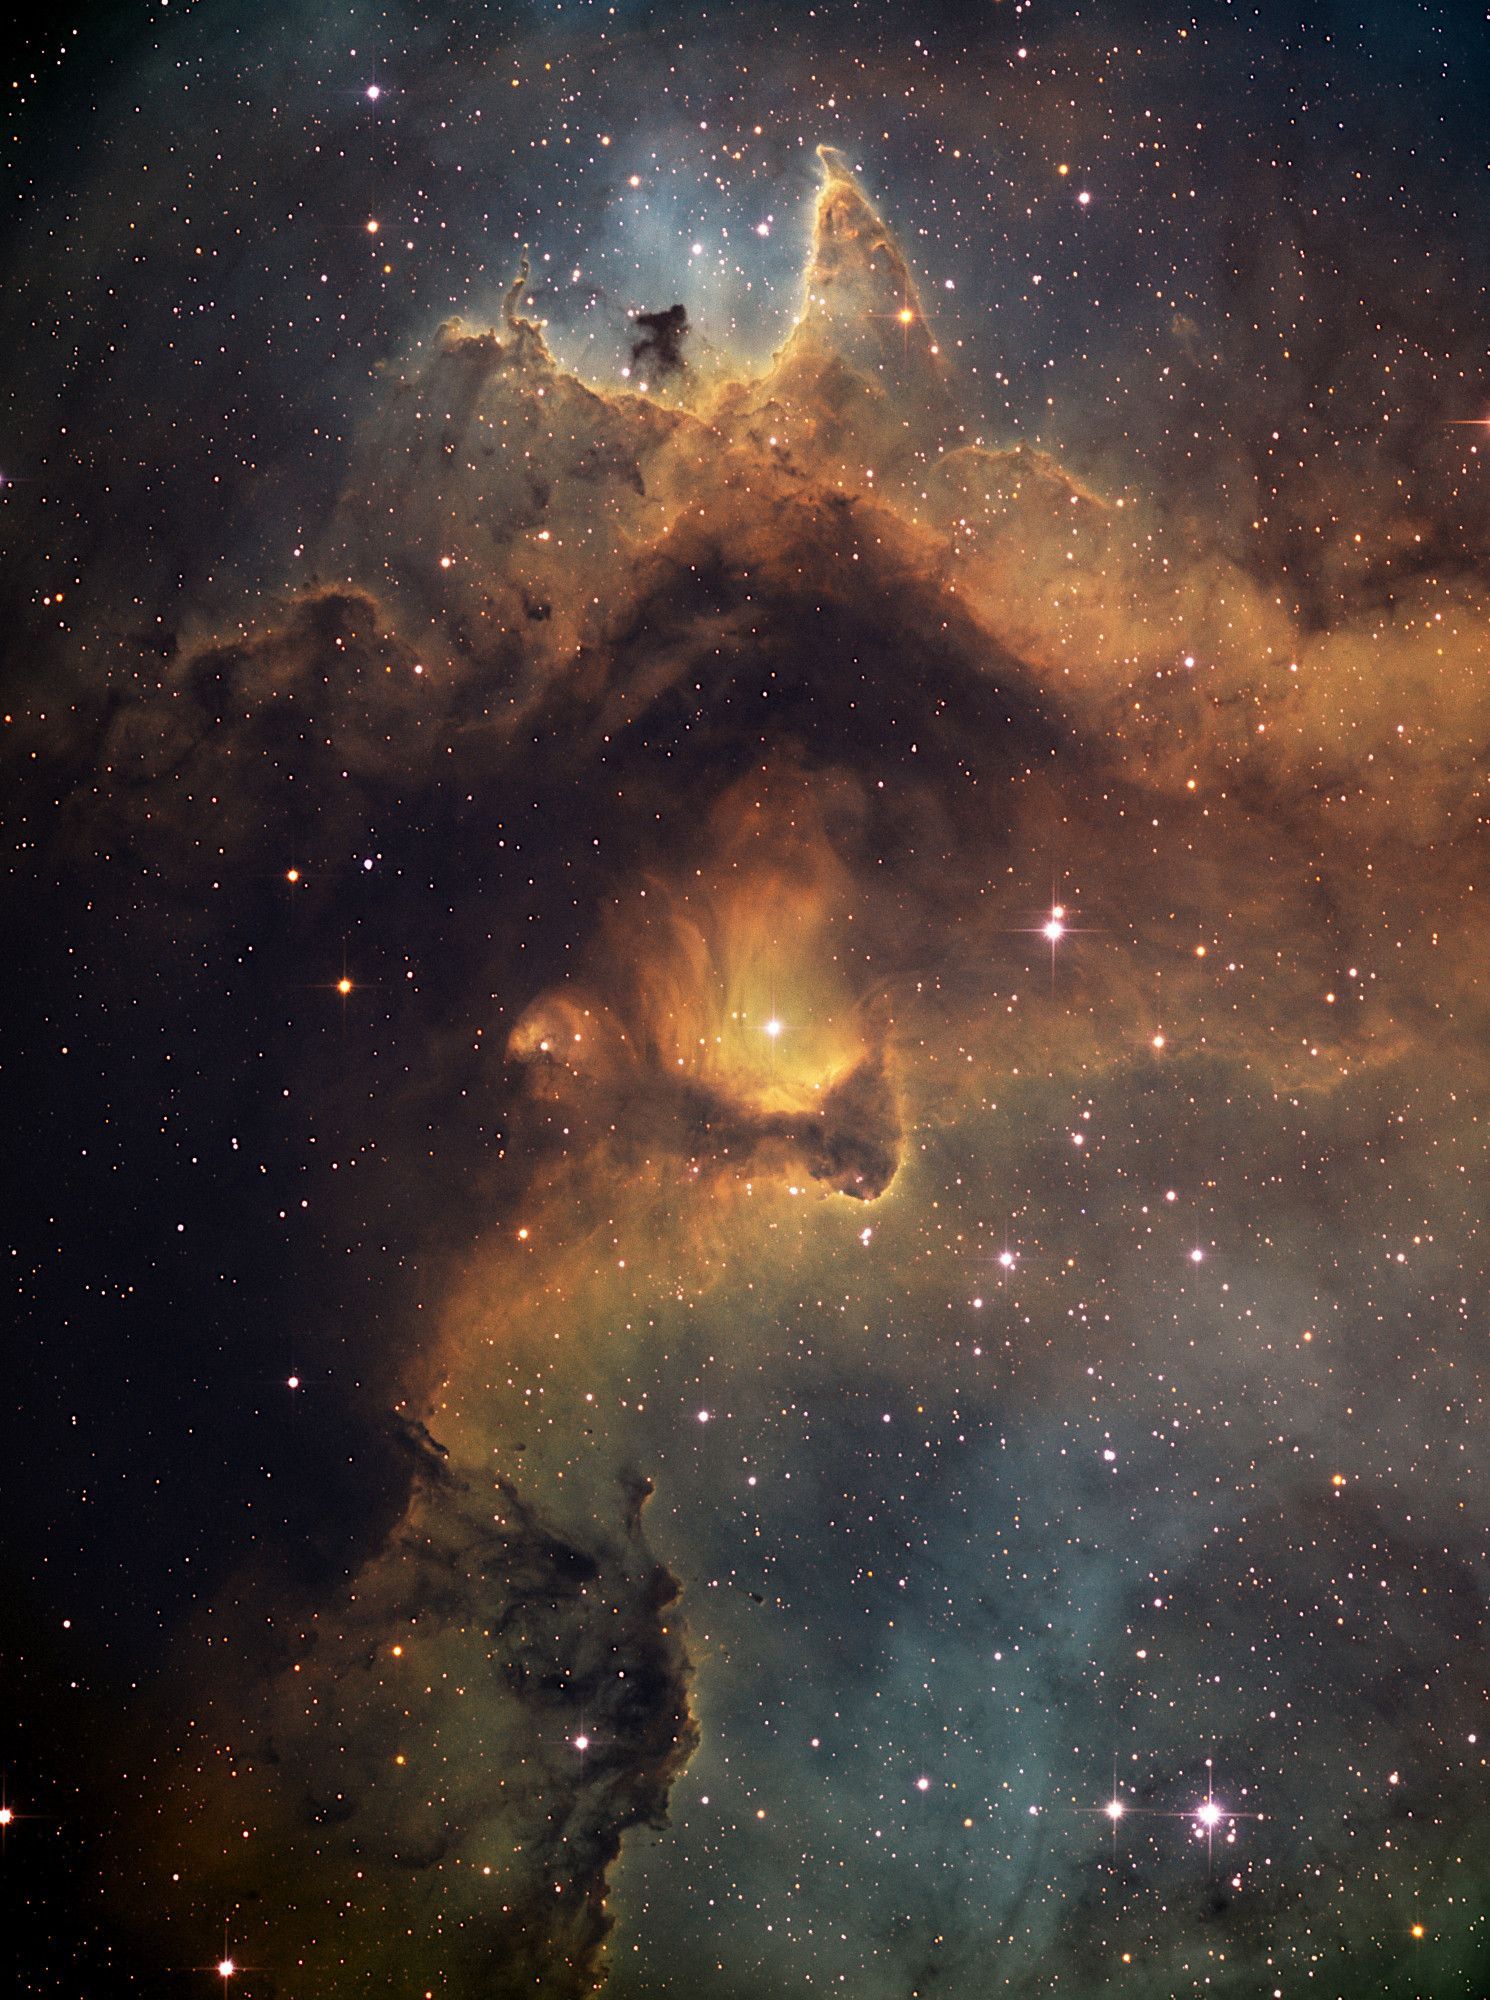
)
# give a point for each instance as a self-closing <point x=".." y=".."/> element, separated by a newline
<point x="660" y="350"/>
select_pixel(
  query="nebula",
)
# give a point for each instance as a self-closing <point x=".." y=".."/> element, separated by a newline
<point x="803" y="682"/>
<point x="890" y="1177"/>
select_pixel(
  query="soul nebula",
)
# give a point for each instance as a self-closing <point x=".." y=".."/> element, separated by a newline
<point x="749" y="1040"/>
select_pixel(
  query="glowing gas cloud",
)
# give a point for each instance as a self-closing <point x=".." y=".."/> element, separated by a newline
<point x="749" y="1134"/>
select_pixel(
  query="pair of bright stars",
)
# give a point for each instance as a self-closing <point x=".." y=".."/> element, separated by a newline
<point x="1209" y="1813"/>
<point x="344" y="984"/>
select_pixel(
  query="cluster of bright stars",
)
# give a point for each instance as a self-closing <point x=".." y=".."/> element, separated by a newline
<point x="1206" y="1815"/>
